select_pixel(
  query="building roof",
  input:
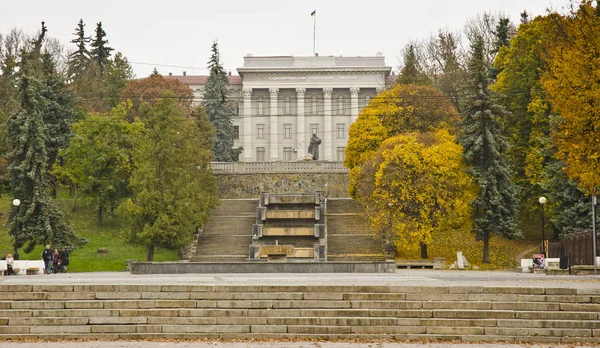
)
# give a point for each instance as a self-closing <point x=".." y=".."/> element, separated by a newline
<point x="193" y="80"/>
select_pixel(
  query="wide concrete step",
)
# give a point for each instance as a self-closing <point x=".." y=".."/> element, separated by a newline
<point x="223" y="244"/>
<point x="348" y="224"/>
<point x="343" y="205"/>
<point x="353" y="244"/>
<point x="229" y="225"/>
<point x="177" y="311"/>
<point x="355" y="257"/>
<point x="220" y="258"/>
<point x="230" y="207"/>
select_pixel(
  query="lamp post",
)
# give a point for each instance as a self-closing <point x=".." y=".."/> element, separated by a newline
<point x="594" y="232"/>
<point x="16" y="203"/>
<point x="542" y="201"/>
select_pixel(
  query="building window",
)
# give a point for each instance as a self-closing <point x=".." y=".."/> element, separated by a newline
<point x="314" y="128"/>
<point x="260" y="104"/>
<point x="287" y="106"/>
<point x="236" y="132"/>
<point x="287" y="130"/>
<point x="341" y="130"/>
<point x="288" y="154"/>
<point x="340" y="154"/>
<point x="260" y="154"/>
<point x="237" y="109"/>
<point x="367" y="100"/>
<point x="313" y="105"/>
<point x="340" y="108"/>
<point x="260" y="131"/>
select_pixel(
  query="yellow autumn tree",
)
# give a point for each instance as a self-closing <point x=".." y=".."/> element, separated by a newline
<point x="401" y="109"/>
<point x="415" y="184"/>
<point x="573" y="86"/>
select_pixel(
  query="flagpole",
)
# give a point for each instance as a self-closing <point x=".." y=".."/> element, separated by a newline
<point x="314" y="31"/>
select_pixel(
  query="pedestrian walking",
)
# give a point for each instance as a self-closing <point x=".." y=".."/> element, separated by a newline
<point x="47" y="257"/>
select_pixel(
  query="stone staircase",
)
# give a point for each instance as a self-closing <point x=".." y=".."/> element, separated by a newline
<point x="179" y="311"/>
<point x="228" y="233"/>
<point x="349" y="237"/>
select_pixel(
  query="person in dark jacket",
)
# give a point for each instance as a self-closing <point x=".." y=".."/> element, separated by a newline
<point x="47" y="257"/>
<point x="64" y="259"/>
<point x="55" y="261"/>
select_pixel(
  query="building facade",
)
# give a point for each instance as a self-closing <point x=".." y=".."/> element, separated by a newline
<point x="280" y="102"/>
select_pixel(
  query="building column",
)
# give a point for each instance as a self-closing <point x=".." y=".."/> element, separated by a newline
<point x="354" y="104"/>
<point x="327" y="126"/>
<point x="300" y="136"/>
<point x="273" y="126"/>
<point x="247" y="134"/>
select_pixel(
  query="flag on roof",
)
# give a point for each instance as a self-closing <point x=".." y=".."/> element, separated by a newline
<point x="313" y="13"/>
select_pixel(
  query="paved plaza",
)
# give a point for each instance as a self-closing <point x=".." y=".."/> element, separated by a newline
<point x="267" y="344"/>
<point x="401" y="277"/>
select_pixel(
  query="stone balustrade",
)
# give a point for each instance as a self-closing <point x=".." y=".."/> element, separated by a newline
<point x="278" y="167"/>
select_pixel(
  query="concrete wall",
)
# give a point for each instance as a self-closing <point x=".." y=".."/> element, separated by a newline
<point x="250" y="185"/>
<point x="262" y="267"/>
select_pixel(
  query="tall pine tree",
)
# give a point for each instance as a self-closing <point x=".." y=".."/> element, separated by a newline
<point x="495" y="207"/>
<point x="31" y="132"/>
<point x="219" y="110"/>
<point x="100" y="50"/>
<point x="411" y="72"/>
<point x="79" y="59"/>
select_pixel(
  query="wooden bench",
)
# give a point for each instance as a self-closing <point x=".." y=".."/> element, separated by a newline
<point x="3" y="267"/>
<point x="408" y="264"/>
<point x="436" y="263"/>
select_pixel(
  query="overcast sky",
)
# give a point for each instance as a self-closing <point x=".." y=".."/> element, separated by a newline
<point x="176" y="35"/>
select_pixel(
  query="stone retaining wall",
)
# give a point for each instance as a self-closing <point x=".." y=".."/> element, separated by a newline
<point x="251" y="185"/>
<point x="262" y="267"/>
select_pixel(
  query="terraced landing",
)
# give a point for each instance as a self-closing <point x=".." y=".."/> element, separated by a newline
<point x="170" y="311"/>
<point x="349" y="237"/>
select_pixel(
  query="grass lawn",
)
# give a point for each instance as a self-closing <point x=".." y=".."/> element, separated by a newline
<point x="111" y="236"/>
<point x="446" y="244"/>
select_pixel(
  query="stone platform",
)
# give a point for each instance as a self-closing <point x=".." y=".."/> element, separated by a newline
<point x="407" y="305"/>
<point x="262" y="267"/>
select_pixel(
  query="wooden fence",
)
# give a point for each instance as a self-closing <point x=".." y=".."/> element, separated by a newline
<point x="578" y="247"/>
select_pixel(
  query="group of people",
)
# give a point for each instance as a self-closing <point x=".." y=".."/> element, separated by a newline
<point x="54" y="261"/>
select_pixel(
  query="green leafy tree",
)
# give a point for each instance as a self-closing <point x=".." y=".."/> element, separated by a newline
<point x="411" y="72"/>
<point x="117" y="74"/>
<point x="99" y="159"/>
<point x="495" y="206"/>
<point x="37" y="220"/>
<point x="173" y="188"/>
<point x="219" y="109"/>
<point x="100" y="50"/>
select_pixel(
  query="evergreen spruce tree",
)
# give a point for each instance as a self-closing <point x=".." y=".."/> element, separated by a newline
<point x="37" y="220"/>
<point x="411" y="72"/>
<point x="100" y="50"/>
<point x="495" y="207"/>
<point x="501" y="39"/>
<point x="79" y="59"/>
<point x="219" y="110"/>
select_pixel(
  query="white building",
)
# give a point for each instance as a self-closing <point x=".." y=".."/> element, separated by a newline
<point x="281" y="101"/>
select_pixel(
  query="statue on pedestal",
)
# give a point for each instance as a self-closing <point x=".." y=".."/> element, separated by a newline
<point x="313" y="148"/>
